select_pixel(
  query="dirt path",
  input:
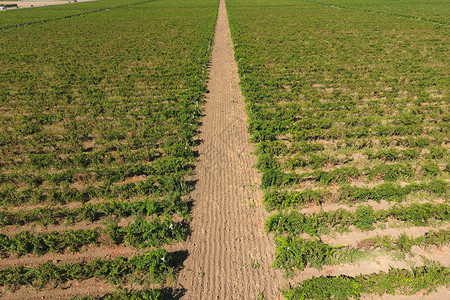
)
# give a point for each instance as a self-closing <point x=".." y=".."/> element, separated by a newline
<point x="229" y="252"/>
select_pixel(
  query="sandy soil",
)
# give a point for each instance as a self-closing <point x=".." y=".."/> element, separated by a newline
<point x="25" y="4"/>
<point x="229" y="252"/>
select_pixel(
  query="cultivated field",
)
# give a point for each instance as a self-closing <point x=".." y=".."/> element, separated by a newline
<point x="99" y="106"/>
<point x="32" y="3"/>
<point x="349" y="109"/>
<point x="117" y="181"/>
<point x="21" y="17"/>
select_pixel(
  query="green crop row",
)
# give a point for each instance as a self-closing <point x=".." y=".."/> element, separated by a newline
<point x="394" y="154"/>
<point x="312" y="149"/>
<point x="281" y="199"/>
<point x="349" y="194"/>
<point x="343" y="175"/>
<point x="139" y="234"/>
<point x="153" y="294"/>
<point x="155" y="266"/>
<point x="391" y="192"/>
<point x="314" y="161"/>
<point x="298" y="253"/>
<point x="161" y="167"/>
<point x="26" y="242"/>
<point x="93" y="212"/>
<point x="284" y="199"/>
<point x="159" y="186"/>
<point x="266" y="131"/>
<point x="394" y="282"/>
<point x="404" y="242"/>
<point x="292" y="252"/>
<point x="364" y="218"/>
<point x="100" y="160"/>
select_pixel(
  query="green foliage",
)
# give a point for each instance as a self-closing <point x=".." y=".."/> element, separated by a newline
<point x="436" y="153"/>
<point x="155" y="186"/>
<point x="338" y="288"/>
<point x="391" y="172"/>
<point x="26" y="242"/>
<point x="297" y="253"/>
<point x="153" y="234"/>
<point x="390" y="192"/>
<point x="364" y="218"/>
<point x="404" y="242"/>
<point x="272" y="178"/>
<point x="396" y="281"/>
<point x="431" y="169"/>
<point x="283" y="199"/>
<point x="156" y="265"/>
<point x="93" y="212"/>
<point x="152" y="294"/>
<point x="138" y="234"/>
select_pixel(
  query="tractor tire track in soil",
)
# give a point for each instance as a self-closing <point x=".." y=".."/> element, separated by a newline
<point x="229" y="251"/>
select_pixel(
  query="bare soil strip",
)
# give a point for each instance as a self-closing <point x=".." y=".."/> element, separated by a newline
<point x="229" y="252"/>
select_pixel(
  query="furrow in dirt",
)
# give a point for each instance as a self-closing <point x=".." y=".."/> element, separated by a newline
<point x="229" y="252"/>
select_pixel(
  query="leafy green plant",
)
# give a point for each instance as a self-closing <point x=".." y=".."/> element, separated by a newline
<point x="298" y="253"/>
<point x="156" y="265"/>
<point x="93" y="212"/>
<point x="283" y="199"/>
<point x="122" y="294"/>
<point x="396" y="281"/>
<point x="364" y="218"/>
<point x="138" y="234"/>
